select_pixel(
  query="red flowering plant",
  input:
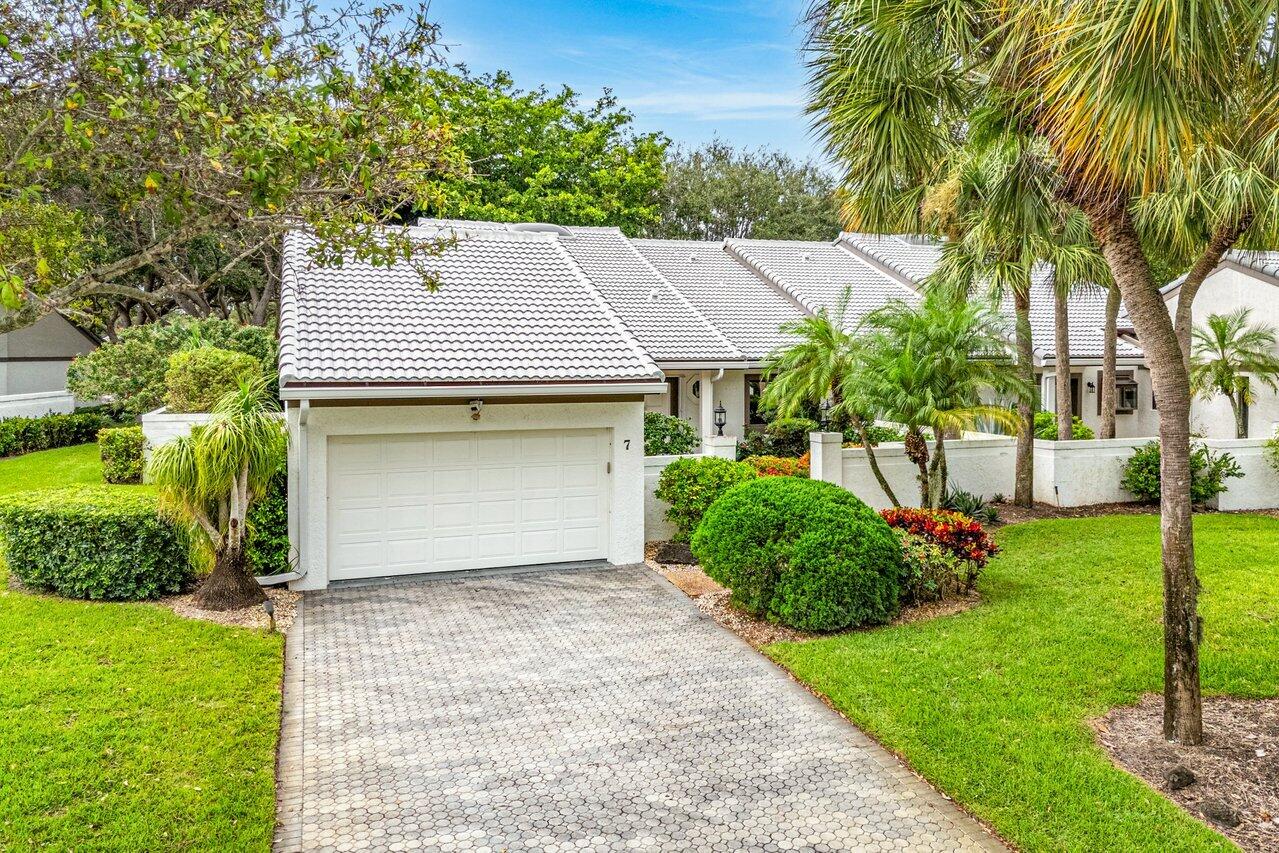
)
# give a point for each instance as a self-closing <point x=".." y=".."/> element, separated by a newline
<point x="957" y="537"/>
<point x="778" y="466"/>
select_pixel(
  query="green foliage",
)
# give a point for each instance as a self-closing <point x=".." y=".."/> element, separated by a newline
<point x="878" y="435"/>
<point x="971" y="505"/>
<point x="932" y="572"/>
<point x="93" y="542"/>
<point x="1046" y="428"/>
<point x="667" y="435"/>
<point x="716" y="191"/>
<point x="267" y="545"/>
<point x="789" y="436"/>
<point x="1271" y="451"/>
<point x="779" y="466"/>
<point x="1228" y="355"/>
<point x="690" y="486"/>
<point x="1208" y="472"/>
<point x="542" y="156"/>
<point x="121" y="450"/>
<point x="25" y="435"/>
<point x="804" y="553"/>
<point x="131" y="370"/>
<point x="197" y="378"/>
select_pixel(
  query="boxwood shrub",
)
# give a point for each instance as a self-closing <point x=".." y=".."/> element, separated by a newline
<point x="197" y="378"/>
<point x="668" y="435"/>
<point x="804" y="553"/>
<point x="26" y="435"/>
<point x="121" y="452"/>
<point x="97" y="542"/>
<point x="690" y="486"/>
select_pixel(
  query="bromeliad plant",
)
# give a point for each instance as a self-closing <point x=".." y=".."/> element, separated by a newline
<point x="209" y="480"/>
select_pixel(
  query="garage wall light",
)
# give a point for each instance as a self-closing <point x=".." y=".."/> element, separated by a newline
<point x="476" y="406"/>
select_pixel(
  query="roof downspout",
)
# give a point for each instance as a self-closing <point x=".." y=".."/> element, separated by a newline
<point x="297" y="535"/>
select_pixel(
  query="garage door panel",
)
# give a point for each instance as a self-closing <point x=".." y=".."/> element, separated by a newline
<point x="423" y="503"/>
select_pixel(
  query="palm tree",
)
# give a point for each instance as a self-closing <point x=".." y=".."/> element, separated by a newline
<point x="1109" y="356"/>
<point x="209" y="479"/>
<point x="821" y="365"/>
<point x="1227" y="354"/>
<point x="930" y="365"/>
<point x="1167" y="104"/>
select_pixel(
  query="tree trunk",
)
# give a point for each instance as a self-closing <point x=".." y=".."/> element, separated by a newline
<point x="1237" y="406"/>
<point x="1065" y="405"/>
<point x="937" y="473"/>
<point x="1113" y="228"/>
<point x="860" y="425"/>
<point x="1223" y="238"/>
<point x="1110" y="345"/>
<point x="1024" y="489"/>
<point x="229" y="586"/>
<point x="917" y="452"/>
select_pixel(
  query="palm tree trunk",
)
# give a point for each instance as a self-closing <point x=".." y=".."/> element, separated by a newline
<point x="1219" y="243"/>
<point x="1183" y="703"/>
<point x="1065" y="405"/>
<point x="229" y="586"/>
<point x="1236" y="405"/>
<point x="1110" y="345"/>
<point x="917" y="452"/>
<point x="860" y="425"/>
<point x="1024" y="488"/>
<point x="937" y="472"/>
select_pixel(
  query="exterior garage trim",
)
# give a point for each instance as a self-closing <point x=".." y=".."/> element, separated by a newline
<point x="620" y="423"/>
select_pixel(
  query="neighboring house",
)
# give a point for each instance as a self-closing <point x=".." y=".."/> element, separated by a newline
<point x="498" y="420"/>
<point x="33" y="366"/>
<point x="1241" y="280"/>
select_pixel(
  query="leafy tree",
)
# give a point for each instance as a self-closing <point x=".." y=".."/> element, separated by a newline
<point x="541" y="156"/>
<point x="929" y="366"/>
<point x="133" y="130"/>
<point x="718" y="191"/>
<point x="211" y="478"/>
<point x="1159" y="118"/>
<point x="1228" y="353"/>
<point x="824" y="364"/>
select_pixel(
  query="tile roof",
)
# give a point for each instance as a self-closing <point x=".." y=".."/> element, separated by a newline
<point x="661" y="318"/>
<point x="511" y="308"/>
<point x="741" y="304"/>
<point x="916" y="258"/>
<point x="818" y="274"/>
<point x="1266" y="263"/>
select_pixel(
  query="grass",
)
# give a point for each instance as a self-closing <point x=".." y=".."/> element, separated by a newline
<point x="993" y="705"/>
<point x="126" y="727"/>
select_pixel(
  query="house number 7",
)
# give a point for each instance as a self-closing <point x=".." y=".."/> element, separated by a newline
<point x="627" y="442"/>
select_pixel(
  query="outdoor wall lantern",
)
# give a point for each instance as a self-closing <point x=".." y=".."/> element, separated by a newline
<point x="826" y="406"/>
<point x="1092" y="386"/>
<point x="721" y="418"/>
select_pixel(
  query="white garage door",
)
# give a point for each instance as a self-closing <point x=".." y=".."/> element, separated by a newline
<point x="402" y="504"/>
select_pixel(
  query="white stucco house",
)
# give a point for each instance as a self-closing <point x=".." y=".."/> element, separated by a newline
<point x="33" y="366"/>
<point x="1241" y="280"/>
<point x="498" y="420"/>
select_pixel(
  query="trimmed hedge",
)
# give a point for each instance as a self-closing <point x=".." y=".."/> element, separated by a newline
<point x="804" y="553"/>
<point x="667" y="435"/>
<point x="1046" y="428"/>
<point x="198" y="378"/>
<point x="267" y="547"/>
<point x="121" y="453"/>
<point x="95" y="542"/>
<point x="690" y="486"/>
<point x="27" y="435"/>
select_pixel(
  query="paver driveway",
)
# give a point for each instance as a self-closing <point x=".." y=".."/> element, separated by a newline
<point x="589" y="709"/>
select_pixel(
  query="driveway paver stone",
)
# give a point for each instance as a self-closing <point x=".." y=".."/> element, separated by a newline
<point x="585" y="709"/>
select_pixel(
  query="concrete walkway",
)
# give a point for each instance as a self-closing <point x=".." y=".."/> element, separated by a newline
<point x="589" y="709"/>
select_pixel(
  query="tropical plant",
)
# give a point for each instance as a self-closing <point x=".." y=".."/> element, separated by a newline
<point x="823" y="365"/>
<point x="972" y="505"/>
<point x="1271" y="451"/>
<point x="779" y="466"/>
<point x="1160" y="124"/>
<point x="211" y="478"/>
<point x="667" y="435"/>
<point x="1227" y="354"/>
<point x="929" y="366"/>
<point x="1208" y="471"/>
<point x="1046" y="428"/>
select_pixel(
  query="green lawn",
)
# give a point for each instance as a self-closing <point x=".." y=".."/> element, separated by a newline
<point x="992" y="705"/>
<point x="125" y="727"/>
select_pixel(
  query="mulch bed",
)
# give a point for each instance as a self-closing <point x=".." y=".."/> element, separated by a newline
<point x="1013" y="514"/>
<point x="1230" y="782"/>
<point x="712" y="599"/>
<point x="285" y="600"/>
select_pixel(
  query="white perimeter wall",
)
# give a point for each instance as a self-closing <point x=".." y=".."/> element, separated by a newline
<point x="983" y="466"/>
<point x="1082" y="473"/>
<point x="35" y="405"/>
<point x="308" y="461"/>
<point x="656" y="527"/>
<point x="160" y="427"/>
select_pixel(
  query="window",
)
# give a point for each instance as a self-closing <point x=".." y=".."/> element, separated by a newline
<point x="672" y="391"/>
<point x="754" y="387"/>
<point x="1125" y="393"/>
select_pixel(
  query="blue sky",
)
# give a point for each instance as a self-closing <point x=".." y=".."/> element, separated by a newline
<point x="693" y="69"/>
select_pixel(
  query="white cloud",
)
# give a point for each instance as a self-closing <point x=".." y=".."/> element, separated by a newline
<point x="717" y="104"/>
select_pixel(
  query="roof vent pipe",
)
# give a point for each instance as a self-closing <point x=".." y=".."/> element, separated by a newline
<point x="540" y="228"/>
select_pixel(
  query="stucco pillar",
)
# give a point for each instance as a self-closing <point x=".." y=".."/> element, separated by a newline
<point x="826" y="459"/>
<point x="706" y="403"/>
<point x="723" y="446"/>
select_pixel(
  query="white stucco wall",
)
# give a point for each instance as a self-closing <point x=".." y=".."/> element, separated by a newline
<point x="1259" y="487"/>
<point x="308" y="516"/>
<point x="34" y="359"/>
<point x="981" y="466"/>
<point x="656" y="527"/>
<point x="1227" y="290"/>
<point x="35" y="405"/>
<point x="160" y="426"/>
<point x="1082" y="473"/>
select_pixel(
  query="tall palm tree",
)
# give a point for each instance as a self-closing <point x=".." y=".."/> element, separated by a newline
<point x="1169" y="101"/>
<point x="823" y="364"/>
<point x="209" y="479"/>
<point x="1109" y="357"/>
<point x="930" y="366"/>
<point x="1227" y="354"/>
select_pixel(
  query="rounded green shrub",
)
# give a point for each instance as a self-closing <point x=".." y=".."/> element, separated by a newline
<point x="789" y="436"/>
<point x="97" y="542"/>
<point x="121" y="452"/>
<point x="1046" y="428"/>
<point x="667" y="435"/>
<point x="197" y="378"/>
<point x="690" y="486"/>
<point x="803" y="553"/>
